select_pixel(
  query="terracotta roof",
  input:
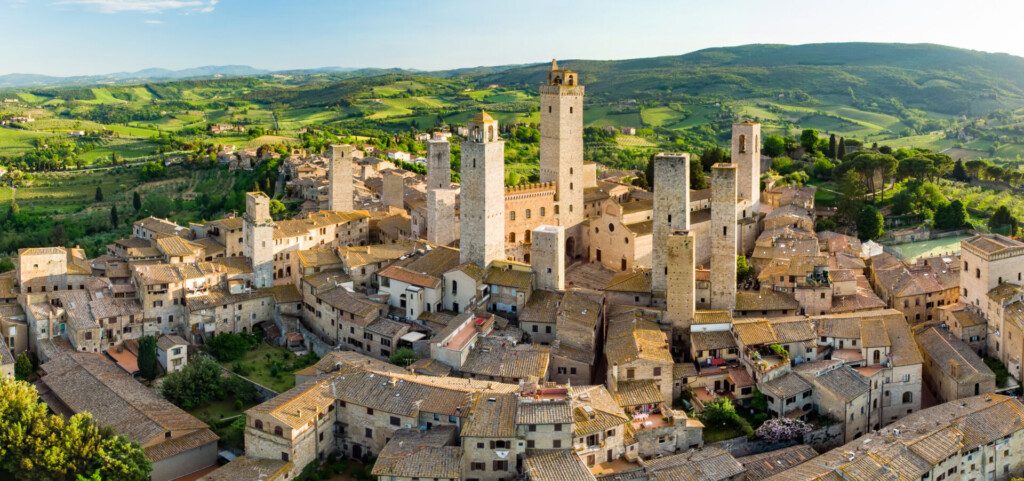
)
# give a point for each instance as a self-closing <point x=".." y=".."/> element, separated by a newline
<point x="544" y="412"/>
<point x="491" y="416"/>
<point x="633" y="339"/>
<point x="509" y="277"/>
<point x="760" y="466"/>
<point x="556" y="465"/>
<point x="541" y="308"/>
<point x="637" y="280"/>
<point x="638" y="392"/>
<point x="595" y="410"/>
<point x="705" y="464"/>
<point x="754" y="332"/>
<point x="765" y="300"/>
<point x="174" y="246"/>
<point x="946" y="351"/>
<point x="709" y="340"/>
<point x="926" y="438"/>
<point x="244" y="468"/>
<point x="785" y="386"/>
<point x="89" y="382"/>
<point x="414" y="454"/>
<point x="840" y="379"/>
<point x="492" y="357"/>
<point x="712" y="317"/>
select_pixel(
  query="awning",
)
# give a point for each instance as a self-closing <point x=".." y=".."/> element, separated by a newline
<point x="413" y="337"/>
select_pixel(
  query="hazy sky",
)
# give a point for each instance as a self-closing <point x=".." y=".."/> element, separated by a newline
<point x="72" y="37"/>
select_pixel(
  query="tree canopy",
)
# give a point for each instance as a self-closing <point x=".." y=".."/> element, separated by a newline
<point x="38" y="446"/>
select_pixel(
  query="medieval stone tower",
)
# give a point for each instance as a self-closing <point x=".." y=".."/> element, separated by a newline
<point x="746" y="154"/>
<point x="393" y="190"/>
<point x="258" y="235"/>
<point x="671" y="210"/>
<point x="482" y="195"/>
<point x="339" y="177"/>
<point x="561" y="148"/>
<point x="439" y="164"/>
<point x="547" y="257"/>
<point x="442" y="227"/>
<point x="723" y="236"/>
<point x="680" y="295"/>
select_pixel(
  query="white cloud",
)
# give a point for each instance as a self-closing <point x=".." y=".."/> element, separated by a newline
<point x="145" y="6"/>
<point x="153" y="22"/>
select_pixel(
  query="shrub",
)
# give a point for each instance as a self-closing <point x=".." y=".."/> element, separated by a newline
<point x="782" y="429"/>
<point x="231" y="346"/>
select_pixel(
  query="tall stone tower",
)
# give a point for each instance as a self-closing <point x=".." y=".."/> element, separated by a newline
<point x="671" y="210"/>
<point x="339" y="177"/>
<point x="258" y="235"/>
<point x="680" y="296"/>
<point x="561" y="145"/>
<point x="439" y="164"/>
<point x="723" y="236"/>
<point x="482" y="195"/>
<point x="393" y="189"/>
<point x="547" y="257"/>
<point x="442" y="227"/>
<point x="746" y="154"/>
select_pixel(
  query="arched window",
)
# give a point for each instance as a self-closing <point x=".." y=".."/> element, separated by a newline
<point x="526" y="236"/>
<point x="512" y="215"/>
<point x="743" y="144"/>
<point x="259" y="424"/>
<point x="526" y="257"/>
<point x="455" y="287"/>
<point x="543" y="211"/>
<point x="512" y="237"/>
<point x="490" y="133"/>
<point x="626" y="239"/>
<point x="878" y="356"/>
<point x="908" y="398"/>
<point x="278" y="431"/>
<point x="528" y="213"/>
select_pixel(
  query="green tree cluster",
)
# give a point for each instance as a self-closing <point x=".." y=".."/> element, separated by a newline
<point x="38" y="446"/>
<point x="147" y="357"/>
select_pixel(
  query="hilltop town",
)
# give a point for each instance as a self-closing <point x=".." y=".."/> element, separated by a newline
<point x="580" y="327"/>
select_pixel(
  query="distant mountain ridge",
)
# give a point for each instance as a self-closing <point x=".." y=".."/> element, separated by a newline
<point x="937" y="78"/>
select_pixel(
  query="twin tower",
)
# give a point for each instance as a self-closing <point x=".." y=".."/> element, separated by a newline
<point x="482" y="182"/>
<point x="735" y="194"/>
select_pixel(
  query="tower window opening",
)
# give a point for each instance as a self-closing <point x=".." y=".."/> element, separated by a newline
<point x="743" y="144"/>
<point x="725" y="230"/>
<point x="549" y="109"/>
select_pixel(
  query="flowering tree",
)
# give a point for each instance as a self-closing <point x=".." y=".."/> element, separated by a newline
<point x="782" y="429"/>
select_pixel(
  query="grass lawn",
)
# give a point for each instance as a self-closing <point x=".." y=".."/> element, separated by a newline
<point x="258" y="363"/>
<point x="934" y="247"/>
<point x="714" y="435"/>
<point x="218" y="410"/>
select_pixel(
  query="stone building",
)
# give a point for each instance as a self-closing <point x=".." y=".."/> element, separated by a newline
<point x="258" y="232"/>
<point x="548" y="255"/>
<point x="340" y="191"/>
<point x="561" y="149"/>
<point x="723" y="236"/>
<point x="671" y="211"/>
<point x="482" y="216"/>
<point x="620" y="238"/>
<point x="175" y="442"/>
<point x="439" y="164"/>
<point x="976" y="438"/>
<point x="951" y="369"/>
